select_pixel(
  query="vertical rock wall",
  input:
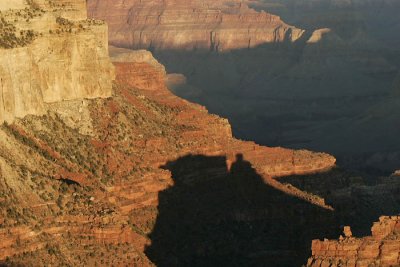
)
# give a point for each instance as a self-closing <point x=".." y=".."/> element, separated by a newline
<point x="174" y="24"/>
<point x="68" y="60"/>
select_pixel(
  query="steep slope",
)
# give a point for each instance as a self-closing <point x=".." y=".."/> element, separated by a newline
<point x="190" y="25"/>
<point x="50" y="52"/>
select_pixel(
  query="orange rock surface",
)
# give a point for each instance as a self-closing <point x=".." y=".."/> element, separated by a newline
<point x="380" y="249"/>
<point x="75" y="198"/>
<point x="181" y="24"/>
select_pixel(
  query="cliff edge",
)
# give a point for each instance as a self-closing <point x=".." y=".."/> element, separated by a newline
<point x="50" y="52"/>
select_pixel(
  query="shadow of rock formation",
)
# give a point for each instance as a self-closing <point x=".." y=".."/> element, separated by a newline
<point x="213" y="216"/>
<point x="318" y="96"/>
<point x="358" y="200"/>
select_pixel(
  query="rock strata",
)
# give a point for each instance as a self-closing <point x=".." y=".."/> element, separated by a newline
<point x="76" y="198"/>
<point x="380" y="249"/>
<point x="190" y="25"/>
<point x="58" y="54"/>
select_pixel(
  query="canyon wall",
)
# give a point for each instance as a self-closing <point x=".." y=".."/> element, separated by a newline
<point x="380" y="249"/>
<point x="78" y="198"/>
<point x="52" y="53"/>
<point x="112" y="196"/>
<point x="291" y="94"/>
<point x="190" y="25"/>
<point x="106" y="181"/>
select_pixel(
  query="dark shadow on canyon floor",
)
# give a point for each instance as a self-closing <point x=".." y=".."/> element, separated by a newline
<point x="219" y="216"/>
<point x="358" y="200"/>
<point x="213" y="216"/>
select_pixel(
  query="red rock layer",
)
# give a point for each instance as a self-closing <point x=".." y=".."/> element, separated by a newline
<point x="179" y="24"/>
<point x="72" y="198"/>
<point x="380" y="249"/>
<point x="273" y="162"/>
<point x="210" y="135"/>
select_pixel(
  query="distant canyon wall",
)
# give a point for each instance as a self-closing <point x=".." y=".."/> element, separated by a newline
<point x="67" y="58"/>
<point x="190" y="25"/>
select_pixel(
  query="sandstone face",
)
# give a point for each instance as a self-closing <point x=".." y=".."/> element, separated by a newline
<point x="380" y="249"/>
<point x="190" y="25"/>
<point x="15" y="4"/>
<point x="66" y="59"/>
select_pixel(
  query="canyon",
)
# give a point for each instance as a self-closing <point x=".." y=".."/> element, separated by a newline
<point x="86" y="179"/>
<point x="330" y="89"/>
<point x="102" y="165"/>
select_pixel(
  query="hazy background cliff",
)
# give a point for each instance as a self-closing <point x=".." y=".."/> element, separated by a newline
<point x="334" y="88"/>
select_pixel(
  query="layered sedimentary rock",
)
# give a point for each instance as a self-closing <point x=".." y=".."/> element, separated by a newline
<point x="293" y="95"/>
<point x="50" y="52"/>
<point x="95" y="198"/>
<point x="380" y="249"/>
<point x="121" y="55"/>
<point x="190" y="25"/>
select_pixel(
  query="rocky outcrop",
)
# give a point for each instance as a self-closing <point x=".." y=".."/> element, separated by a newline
<point x="190" y="25"/>
<point x="121" y="55"/>
<point x="65" y="58"/>
<point x="380" y="249"/>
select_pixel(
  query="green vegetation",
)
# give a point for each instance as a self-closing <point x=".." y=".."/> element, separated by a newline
<point x="26" y="140"/>
<point x="32" y="4"/>
<point x="10" y="35"/>
<point x="10" y="38"/>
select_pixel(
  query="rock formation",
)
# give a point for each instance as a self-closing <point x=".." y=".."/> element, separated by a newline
<point x="106" y="181"/>
<point x="50" y="52"/>
<point x="84" y="180"/>
<point x="380" y="249"/>
<point x="190" y="25"/>
<point x="121" y="55"/>
<point x="294" y="94"/>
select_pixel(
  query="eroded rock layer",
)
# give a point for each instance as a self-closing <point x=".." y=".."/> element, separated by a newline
<point x="50" y="52"/>
<point x="380" y="249"/>
<point x="88" y="183"/>
<point x="190" y="25"/>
